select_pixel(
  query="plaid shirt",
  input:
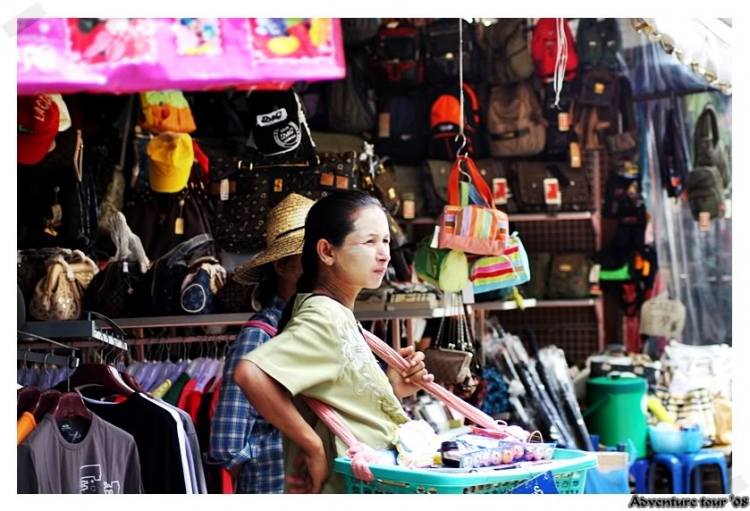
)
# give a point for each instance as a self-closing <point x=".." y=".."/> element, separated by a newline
<point x="239" y="435"/>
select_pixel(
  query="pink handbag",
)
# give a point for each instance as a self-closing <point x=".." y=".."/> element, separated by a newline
<point x="478" y="228"/>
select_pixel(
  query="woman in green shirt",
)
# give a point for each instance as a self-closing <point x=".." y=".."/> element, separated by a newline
<point x="320" y="350"/>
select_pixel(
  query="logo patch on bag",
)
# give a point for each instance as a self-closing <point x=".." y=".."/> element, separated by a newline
<point x="500" y="191"/>
<point x="272" y="118"/>
<point x="552" y="193"/>
<point x="599" y="88"/>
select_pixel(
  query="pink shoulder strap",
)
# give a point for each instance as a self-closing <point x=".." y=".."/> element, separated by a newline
<point x="361" y="453"/>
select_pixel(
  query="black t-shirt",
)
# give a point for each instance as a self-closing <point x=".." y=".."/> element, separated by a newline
<point x="156" y="436"/>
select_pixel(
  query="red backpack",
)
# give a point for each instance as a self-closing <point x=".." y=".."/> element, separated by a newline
<point x="544" y="49"/>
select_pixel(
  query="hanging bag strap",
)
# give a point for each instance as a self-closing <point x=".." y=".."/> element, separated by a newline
<point x="475" y="179"/>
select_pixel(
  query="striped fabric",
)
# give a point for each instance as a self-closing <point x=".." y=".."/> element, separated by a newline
<point x="475" y="222"/>
<point x="498" y="272"/>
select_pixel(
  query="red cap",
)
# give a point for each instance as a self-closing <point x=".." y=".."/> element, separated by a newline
<point x="38" y="123"/>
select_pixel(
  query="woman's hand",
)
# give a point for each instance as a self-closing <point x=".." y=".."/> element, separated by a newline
<point x="311" y="472"/>
<point x="403" y="384"/>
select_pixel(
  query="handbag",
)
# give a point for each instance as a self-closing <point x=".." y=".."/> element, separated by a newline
<point x="479" y="228"/>
<point x="58" y="296"/>
<point x="163" y="220"/>
<point x="450" y="367"/>
<point x="59" y="206"/>
<point x="451" y="358"/>
<point x="569" y="277"/>
<point x="235" y="297"/>
<point x="539" y="266"/>
<point x="510" y="269"/>
<point x="244" y="191"/>
<point x="111" y="291"/>
<point x="203" y="282"/>
<point x="533" y="190"/>
<point x="158" y="292"/>
<point x="447" y="270"/>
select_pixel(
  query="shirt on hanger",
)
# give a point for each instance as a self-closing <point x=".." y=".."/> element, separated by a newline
<point x="175" y="390"/>
<point x="162" y="389"/>
<point x="105" y="461"/>
<point x="157" y="436"/>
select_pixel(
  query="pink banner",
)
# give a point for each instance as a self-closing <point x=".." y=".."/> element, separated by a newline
<point x="123" y="55"/>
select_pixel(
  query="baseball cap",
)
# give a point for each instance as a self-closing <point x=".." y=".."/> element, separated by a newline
<point x="65" y="122"/>
<point x="275" y="119"/>
<point x="171" y="156"/>
<point x="38" y="121"/>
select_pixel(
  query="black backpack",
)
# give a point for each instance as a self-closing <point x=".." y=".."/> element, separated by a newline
<point x="445" y="123"/>
<point x="397" y="56"/>
<point x="674" y="161"/>
<point x="706" y="182"/>
<point x="403" y="127"/>
<point x="441" y="52"/>
<point x="598" y="41"/>
<point x="351" y="106"/>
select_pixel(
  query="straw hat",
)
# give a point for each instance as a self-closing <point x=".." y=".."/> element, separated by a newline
<point x="285" y="236"/>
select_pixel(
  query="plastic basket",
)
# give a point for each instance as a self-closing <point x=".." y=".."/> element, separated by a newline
<point x="568" y="468"/>
<point x="675" y="442"/>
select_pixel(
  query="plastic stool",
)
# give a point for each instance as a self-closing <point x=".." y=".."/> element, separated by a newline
<point x="691" y="464"/>
<point x="674" y="465"/>
<point x="639" y="471"/>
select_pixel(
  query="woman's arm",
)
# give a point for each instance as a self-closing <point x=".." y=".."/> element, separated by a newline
<point x="274" y="403"/>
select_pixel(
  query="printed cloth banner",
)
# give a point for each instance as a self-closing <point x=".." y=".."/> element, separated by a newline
<point x="125" y="55"/>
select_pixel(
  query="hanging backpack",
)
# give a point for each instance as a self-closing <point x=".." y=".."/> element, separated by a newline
<point x="674" y="162"/>
<point x="403" y="127"/>
<point x="445" y="122"/>
<point x="201" y="286"/>
<point x="706" y="182"/>
<point x="507" y="50"/>
<point x="597" y="109"/>
<point x="515" y="123"/>
<point x="598" y="41"/>
<point x="358" y="31"/>
<point x="351" y="105"/>
<point x="544" y="49"/>
<point x="441" y="52"/>
<point x="397" y="56"/>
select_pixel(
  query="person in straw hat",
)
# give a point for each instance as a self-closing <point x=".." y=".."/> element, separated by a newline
<point x="245" y="443"/>
<point x="320" y="351"/>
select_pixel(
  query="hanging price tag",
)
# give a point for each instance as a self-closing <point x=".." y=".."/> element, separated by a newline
<point x="179" y="226"/>
<point x="563" y="121"/>
<point x="552" y="194"/>
<point x="704" y="221"/>
<point x="409" y="211"/>
<point x="224" y="189"/>
<point x="575" y="155"/>
<point x="500" y="191"/>
<point x="384" y="125"/>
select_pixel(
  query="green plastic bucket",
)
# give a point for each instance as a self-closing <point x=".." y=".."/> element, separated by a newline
<point x="617" y="410"/>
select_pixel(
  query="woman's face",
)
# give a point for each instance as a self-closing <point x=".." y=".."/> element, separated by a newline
<point x="362" y="259"/>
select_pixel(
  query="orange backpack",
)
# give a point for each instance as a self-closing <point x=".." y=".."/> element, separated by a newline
<point x="445" y="121"/>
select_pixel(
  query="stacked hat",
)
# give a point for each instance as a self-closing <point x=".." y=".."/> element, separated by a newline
<point x="276" y="121"/>
<point x="38" y="122"/>
<point x="171" y="157"/>
<point x="285" y="235"/>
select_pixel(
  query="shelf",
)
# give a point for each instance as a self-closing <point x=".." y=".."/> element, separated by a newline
<point x="585" y="302"/>
<point x="503" y="306"/>
<point x="60" y="330"/>
<point x="552" y="217"/>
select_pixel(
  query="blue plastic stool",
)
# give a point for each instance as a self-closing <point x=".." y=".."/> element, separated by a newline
<point x="691" y="464"/>
<point x="674" y="464"/>
<point x="639" y="471"/>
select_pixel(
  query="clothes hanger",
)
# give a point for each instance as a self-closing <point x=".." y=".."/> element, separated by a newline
<point x="71" y="404"/>
<point x="28" y="397"/>
<point x="48" y="401"/>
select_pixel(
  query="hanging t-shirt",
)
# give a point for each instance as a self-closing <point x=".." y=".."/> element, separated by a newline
<point x="323" y="354"/>
<point x="156" y="434"/>
<point x="104" y="460"/>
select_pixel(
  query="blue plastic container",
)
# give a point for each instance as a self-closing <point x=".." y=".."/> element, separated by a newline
<point x="676" y="442"/>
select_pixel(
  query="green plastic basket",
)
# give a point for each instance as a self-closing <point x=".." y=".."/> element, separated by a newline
<point x="568" y="468"/>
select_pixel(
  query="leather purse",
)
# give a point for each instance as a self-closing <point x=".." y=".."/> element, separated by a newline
<point x="530" y="188"/>
<point x="58" y="296"/>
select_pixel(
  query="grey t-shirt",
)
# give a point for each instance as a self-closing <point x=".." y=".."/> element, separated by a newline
<point x="104" y="461"/>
